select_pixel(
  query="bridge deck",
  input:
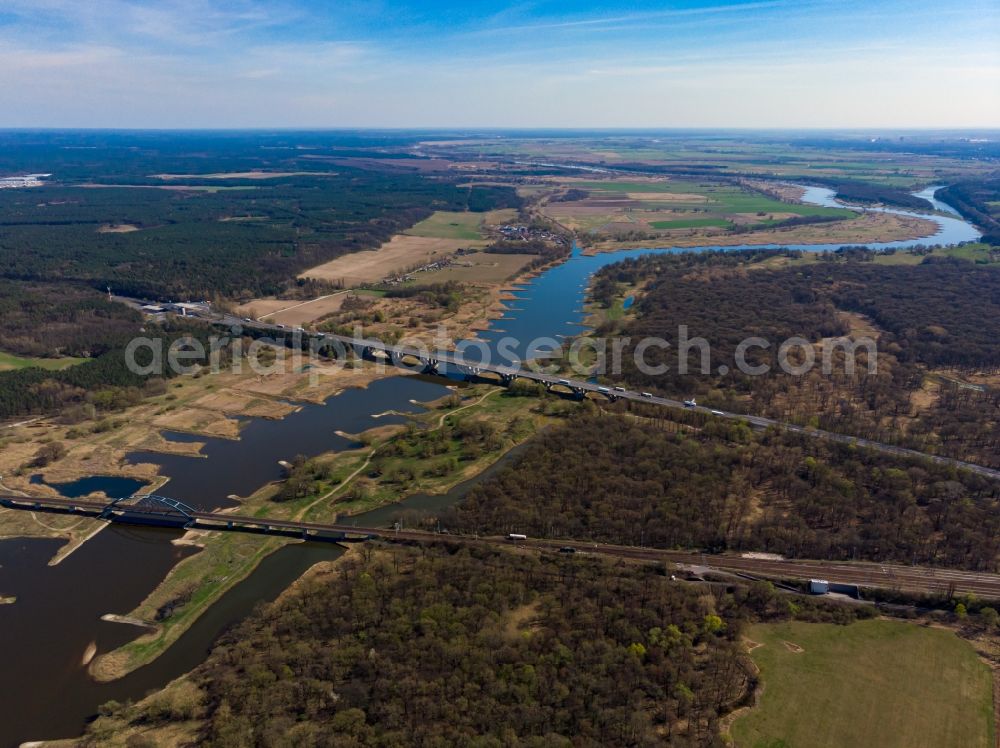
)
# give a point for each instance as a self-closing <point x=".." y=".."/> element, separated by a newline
<point x="890" y="576"/>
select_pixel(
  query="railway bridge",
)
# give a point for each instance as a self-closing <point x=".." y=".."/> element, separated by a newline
<point x="145" y="509"/>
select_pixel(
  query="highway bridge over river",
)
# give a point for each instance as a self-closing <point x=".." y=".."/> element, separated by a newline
<point x="430" y="362"/>
<point x="148" y="509"/>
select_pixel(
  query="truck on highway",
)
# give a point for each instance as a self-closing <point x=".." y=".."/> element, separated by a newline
<point x="516" y="536"/>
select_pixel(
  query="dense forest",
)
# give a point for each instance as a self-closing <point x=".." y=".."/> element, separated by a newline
<point x="62" y="320"/>
<point x="104" y="382"/>
<point x="977" y="200"/>
<point x="238" y="238"/>
<point x="475" y="647"/>
<point x="853" y="191"/>
<point x="941" y="314"/>
<point x="130" y="157"/>
<point x="187" y="214"/>
<point x="636" y="481"/>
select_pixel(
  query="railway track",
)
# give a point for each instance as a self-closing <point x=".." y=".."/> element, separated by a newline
<point x="911" y="579"/>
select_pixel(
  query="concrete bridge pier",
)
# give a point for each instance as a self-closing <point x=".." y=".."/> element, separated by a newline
<point x="363" y="351"/>
<point x="577" y="393"/>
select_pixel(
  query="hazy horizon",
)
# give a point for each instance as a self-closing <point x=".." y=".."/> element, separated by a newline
<point x="400" y="64"/>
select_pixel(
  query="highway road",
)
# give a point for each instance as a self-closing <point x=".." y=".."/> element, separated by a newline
<point x="913" y="579"/>
<point x="397" y="353"/>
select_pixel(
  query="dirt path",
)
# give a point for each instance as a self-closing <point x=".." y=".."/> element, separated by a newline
<point x="302" y="303"/>
<point x="346" y="482"/>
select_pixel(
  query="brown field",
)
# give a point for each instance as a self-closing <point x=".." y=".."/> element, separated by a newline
<point x="208" y="422"/>
<point x="584" y="216"/>
<point x="242" y="403"/>
<point x="264" y="307"/>
<point x="479" y="268"/>
<point x="401" y="253"/>
<point x="117" y="228"/>
<point x="329" y="380"/>
<point x="868" y="227"/>
<point x="293" y="312"/>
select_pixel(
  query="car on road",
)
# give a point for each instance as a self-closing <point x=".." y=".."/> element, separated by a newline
<point x="717" y="413"/>
<point x="692" y="403"/>
<point x="646" y="394"/>
<point x="567" y="549"/>
<point x="619" y="389"/>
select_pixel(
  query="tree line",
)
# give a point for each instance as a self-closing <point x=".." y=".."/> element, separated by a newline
<point x="243" y="240"/>
<point x="627" y="480"/>
<point x="943" y="313"/>
<point x="49" y="320"/>
<point x="476" y="646"/>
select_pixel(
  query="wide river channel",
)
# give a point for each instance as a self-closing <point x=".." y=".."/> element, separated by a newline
<point x="45" y="690"/>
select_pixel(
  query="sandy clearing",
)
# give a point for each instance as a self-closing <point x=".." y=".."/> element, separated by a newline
<point x="400" y="254"/>
<point x="209" y="422"/>
<point x="242" y="403"/>
<point x="117" y="228"/>
<point x="294" y="312"/>
<point x="329" y="379"/>
<point x="264" y="307"/>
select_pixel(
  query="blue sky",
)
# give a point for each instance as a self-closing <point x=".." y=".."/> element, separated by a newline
<point x="305" y="63"/>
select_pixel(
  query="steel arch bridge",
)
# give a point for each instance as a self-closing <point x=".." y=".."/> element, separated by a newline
<point x="149" y="502"/>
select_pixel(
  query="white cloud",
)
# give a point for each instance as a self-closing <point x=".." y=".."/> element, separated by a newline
<point x="189" y="63"/>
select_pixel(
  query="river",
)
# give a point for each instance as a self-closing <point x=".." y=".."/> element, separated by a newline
<point x="46" y="691"/>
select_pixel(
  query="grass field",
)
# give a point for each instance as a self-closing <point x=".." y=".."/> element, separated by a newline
<point x="873" y="683"/>
<point x="722" y="199"/>
<point x="9" y="361"/>
<point x="695" y="188"/>
<point x="977" y="252"/>
<point x="477" y="268"/>
<point x="449" y="225"/>
<point x="690" y="223"/>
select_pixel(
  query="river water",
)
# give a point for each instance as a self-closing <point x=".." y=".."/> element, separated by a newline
<point x="46" y="692"/>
